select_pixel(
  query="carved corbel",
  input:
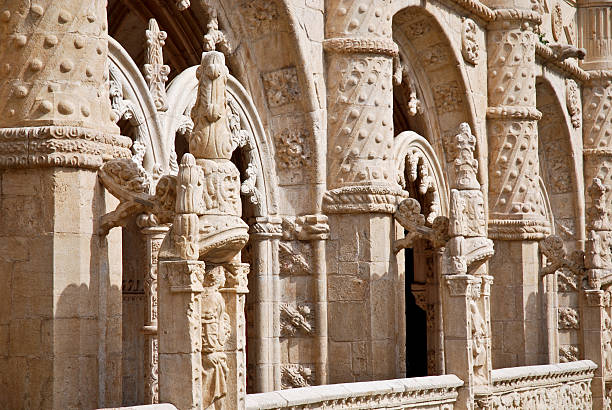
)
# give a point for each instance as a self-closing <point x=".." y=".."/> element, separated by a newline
<point x="554" y="250"/>
<point x="408" y="215"/>
<point x="129" y="183"/>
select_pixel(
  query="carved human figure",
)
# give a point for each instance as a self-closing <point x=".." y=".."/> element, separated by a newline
<point x="479" y="348"/>
<point x="215" y="332"/>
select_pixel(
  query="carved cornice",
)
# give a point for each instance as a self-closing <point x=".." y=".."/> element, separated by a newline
<point x="354" y="45"/>
<point x="514" y="112"/>
<point x="518" y="230"/>
<point x="363" y="199"/>
<point x="60" y="146"/>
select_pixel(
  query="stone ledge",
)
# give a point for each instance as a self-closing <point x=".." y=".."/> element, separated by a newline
<point x="431" y="390"/>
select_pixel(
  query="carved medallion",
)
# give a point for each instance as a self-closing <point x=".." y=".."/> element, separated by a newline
<point x="556" y="18"/>
<point x="469" y="45"/>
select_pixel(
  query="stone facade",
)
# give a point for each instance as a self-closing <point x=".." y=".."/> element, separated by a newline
<point x="298" y="203"/>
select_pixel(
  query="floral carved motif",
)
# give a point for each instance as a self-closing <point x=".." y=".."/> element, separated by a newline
<point x="156" y="73"/>
<point x="282" y="87"/>
<point x="291" y="261"/>
<point x="292" y="149"/>
<point x="295" y="375"/>
<point x="568" y="318"/>
<point x="261" y="17"/>
<point x="556" y="20"/>
<point x="469" y="44"/>
<point x="448" y="97"/>
<point x="295" y="318"/>
<point x="573" y="102"/>
<point x="568" y="354"/>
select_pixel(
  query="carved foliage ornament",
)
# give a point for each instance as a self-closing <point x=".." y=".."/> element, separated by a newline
<point x="556" y="19"/>
<point x="469" y="43"/>
<point x="282" y="87"/>
<point x="573" y="102"/>
<point x="156" y="73"/>
<point x="295" y="375"/>
<point x="295" y="319"/>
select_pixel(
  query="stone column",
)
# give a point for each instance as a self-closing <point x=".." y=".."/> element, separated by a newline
<point x="60" y="303"/>
<point x="154" y="235"/>
<point x="467" y="330"/>
<point x="594" y="24"/>
<point x="597" y="333"/>
<point x="597" y="325"/>
<point x="202" y="334"/>
<point x="363" y="190"/>
<point x="263" y="331"/>
<point x="517" y="215"/>
<point x="465" y="283"/>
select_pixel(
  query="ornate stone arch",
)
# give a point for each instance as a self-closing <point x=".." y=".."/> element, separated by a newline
<point x="558" y="170"/>
<point x="136" y="101"/>
<point x="426" y="49"/>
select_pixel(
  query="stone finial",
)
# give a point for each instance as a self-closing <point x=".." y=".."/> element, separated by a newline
<point x="214" y="37"/>
<point x="156" y="73"/>
<point x="598" y="214"/>
<point x="462" y="154"/>
<point x="183" y="5"/>
<point x="211" y="137"/>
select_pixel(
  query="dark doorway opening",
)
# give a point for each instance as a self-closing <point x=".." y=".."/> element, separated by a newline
<point x="416" y="325"/>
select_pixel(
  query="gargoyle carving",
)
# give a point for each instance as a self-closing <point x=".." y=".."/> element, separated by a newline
<point x="557" y="257"/>
<point x="129" y="183"/>
<point x="565" y="51"/>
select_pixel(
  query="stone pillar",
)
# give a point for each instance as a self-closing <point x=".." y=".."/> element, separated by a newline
<point x="517" y="215"/>
<point x="263" y="331"/>
<point x="597" y="325"/>
<point x="60" y="303"/>
<point x="154" y="235"/>
<point x="467" y="330"/>
<point x="202" y="334"/>
<point x="597" y="333"/>
<point x="465" y="283"/>
<point x="594" y="24"/>
<point x="363" y="190"/>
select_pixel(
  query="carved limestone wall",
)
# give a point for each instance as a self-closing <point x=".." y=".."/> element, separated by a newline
<point x="565" y="385"/>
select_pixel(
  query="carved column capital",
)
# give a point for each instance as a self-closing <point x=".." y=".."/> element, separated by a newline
<point x="597" y="298"/>
<point x="464" y="285"/>
<point x="265" y="227"/>
<point x="183" y="276"/>
<point x="55" y="109"/>
<point x="363" y="199"/>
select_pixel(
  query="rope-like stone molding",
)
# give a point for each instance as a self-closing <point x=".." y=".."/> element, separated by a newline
<point x="416" y="392"/>
<point x="518" y="14"/>
<point x="363" y="199"/>
<point x="354" y="45"/>
<point x="516" y="230"/>
<point x="514" y="112"/>
<point x="597" y="152"/>
<point x="476" y="7"/>
<point x="534" y="376"/>
<point x="60" y="146"/>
